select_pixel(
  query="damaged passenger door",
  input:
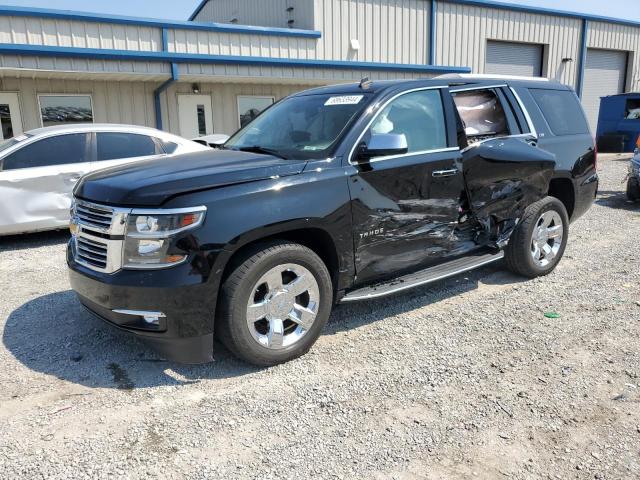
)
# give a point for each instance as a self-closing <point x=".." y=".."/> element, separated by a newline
<point x="406" y="184"/>
<point x="503" y="167"/>
<point x="36" y="182"/>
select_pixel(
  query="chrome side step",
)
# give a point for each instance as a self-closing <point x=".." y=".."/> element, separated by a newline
<point x="423" y="277"/>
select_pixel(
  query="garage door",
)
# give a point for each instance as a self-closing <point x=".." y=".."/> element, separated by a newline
<point x="506" y="58"/>
<point x="604" y="74"/>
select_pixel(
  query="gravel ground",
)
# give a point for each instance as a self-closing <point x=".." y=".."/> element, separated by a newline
<point x="466" y="378"/>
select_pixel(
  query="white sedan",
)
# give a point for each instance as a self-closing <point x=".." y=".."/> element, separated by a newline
<point x="39" y="169"/>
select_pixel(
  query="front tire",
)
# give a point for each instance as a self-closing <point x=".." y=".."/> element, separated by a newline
<point x="274" y="303"/>
<point x="538" y="242"/>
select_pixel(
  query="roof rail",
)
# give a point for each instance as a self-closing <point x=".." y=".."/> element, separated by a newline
<point x="482" y="76"/>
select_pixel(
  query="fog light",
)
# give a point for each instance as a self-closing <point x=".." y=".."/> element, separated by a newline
<point x="152" y="319"/>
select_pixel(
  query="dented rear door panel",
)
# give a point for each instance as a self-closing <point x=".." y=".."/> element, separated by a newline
<point x="505" y="175"/>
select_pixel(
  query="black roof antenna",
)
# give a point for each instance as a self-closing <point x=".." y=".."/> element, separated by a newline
<point x="365" y="83"/>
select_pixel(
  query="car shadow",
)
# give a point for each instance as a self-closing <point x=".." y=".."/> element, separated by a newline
<point x="352" y="315"/>
<point x="616" y="199"/>
<point x="33" y="240"/>
<point x="53" y="334"/>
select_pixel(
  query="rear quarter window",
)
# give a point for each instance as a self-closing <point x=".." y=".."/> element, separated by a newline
<point x="562" y="111"/>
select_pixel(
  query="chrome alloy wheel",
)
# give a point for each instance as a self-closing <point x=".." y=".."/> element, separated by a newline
<point x="283" y="306"/>
<point x="547" y="238"/>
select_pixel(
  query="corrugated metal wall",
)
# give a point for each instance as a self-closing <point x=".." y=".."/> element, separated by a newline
<point x="117" y="69"/>
<point x="222" y="43"/>
<point x="463" y="30"/>
<point x="267" y="13"/>
<point x="69" y="33"/>
<point x="113" y="102"/>
<point x="303" y="76"/>
<point x="618" y="37"/>
<point x="393" y="31"/>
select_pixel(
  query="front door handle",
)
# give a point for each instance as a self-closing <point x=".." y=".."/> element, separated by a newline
<point x="444" y="173"/>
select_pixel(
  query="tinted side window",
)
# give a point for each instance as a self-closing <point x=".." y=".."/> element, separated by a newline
<point x="58" y="150"/>
<point x="561" y="110"/>
<point x="115" y="145"/>
<point x="168" y="147"/>
<point x="419" y="116"/>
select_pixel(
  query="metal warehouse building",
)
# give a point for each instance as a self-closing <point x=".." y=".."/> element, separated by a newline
<point x="235" y="57"/>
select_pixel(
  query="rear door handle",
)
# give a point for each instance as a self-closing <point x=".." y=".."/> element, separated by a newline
<point x="444" y="173"/>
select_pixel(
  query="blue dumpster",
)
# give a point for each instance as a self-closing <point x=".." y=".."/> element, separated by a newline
<point x="619" y="123"/>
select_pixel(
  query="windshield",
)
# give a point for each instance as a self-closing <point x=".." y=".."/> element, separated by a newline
<point x="300" y="127"/>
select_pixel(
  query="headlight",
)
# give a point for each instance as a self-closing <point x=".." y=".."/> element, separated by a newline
<point x="73" y="222"/>
<point x="150" y="233"/>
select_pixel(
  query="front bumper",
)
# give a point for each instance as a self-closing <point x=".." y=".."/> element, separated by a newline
<point x="187" y="301"/>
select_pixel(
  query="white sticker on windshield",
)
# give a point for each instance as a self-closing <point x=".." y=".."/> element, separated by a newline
<point x="344" y="100"/>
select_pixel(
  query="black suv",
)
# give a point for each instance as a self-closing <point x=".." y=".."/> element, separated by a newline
<point x="331" y="195"/>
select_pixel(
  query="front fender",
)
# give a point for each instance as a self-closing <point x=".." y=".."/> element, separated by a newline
<point x="238" y="215"/>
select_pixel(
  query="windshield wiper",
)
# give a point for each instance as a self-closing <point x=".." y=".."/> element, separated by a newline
<point x="259" y="149"/>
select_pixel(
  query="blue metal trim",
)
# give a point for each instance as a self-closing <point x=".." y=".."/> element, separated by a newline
<point x="106" y="54"/>
<point x="432" y="32"/>
<point x="544" y="11"/>
<point x="146" y="22"/>
<point x="175" y="75"/>
<point x="583" y="57"/>
<point x="165" y="39"/>
<point x="198" y="9"/>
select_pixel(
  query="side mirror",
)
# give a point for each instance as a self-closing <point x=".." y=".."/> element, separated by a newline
<point x="384" y="144"/>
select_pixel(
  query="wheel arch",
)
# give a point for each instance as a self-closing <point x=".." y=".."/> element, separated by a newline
<point x="315" y="237"/>
<point x="563" y="189"/>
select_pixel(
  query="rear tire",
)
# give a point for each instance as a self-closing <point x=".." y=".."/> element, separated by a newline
<point x="538" y="242"/>
<point x="633" y="190"/>
<point x="274" y="303"/>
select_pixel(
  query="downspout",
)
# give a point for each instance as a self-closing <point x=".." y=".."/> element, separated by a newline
<point x="175" y="74"/>
<point x="432" y="32"/>
<point x="583" y="57"/>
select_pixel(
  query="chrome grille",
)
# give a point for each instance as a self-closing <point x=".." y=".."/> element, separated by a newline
<point x="92" y="252"/>
<point x="94" y="216"/>
<point x="99" y="236"/>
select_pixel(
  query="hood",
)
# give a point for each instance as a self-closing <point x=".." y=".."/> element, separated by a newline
<point x="152" y="182"/>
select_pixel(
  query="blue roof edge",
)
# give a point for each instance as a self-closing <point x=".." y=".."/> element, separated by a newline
<point x="543" y="11"/>
<point x="198" y="9"/>
<point x="171" y="57"/>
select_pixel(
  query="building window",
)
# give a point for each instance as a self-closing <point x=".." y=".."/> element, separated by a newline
<point x="65" y="109"/>
<point x="5" y="121"/>
<point x="249" y="107"/>
<point x="202" y="120"/>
